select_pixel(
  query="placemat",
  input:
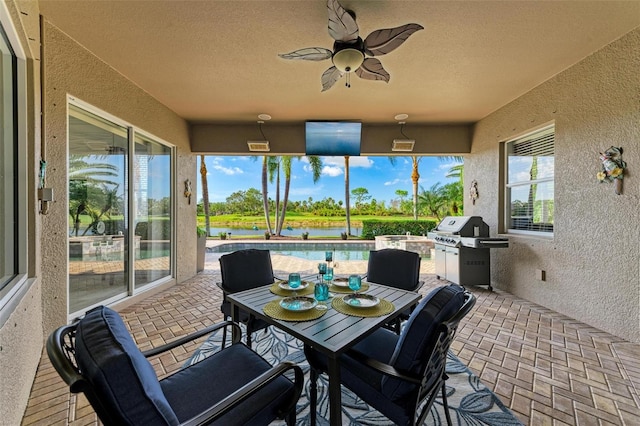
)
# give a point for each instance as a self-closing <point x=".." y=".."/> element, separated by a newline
<point x="383" y="308"/>
<point x="275" y="289"/>
<point x="274" y="310"/>
<point x="336" y="289"/>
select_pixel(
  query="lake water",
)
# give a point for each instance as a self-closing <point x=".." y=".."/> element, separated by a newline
<point x="294" y="232"/>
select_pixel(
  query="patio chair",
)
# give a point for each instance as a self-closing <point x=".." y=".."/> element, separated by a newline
<point x="395" y="268"/>
<point x="397" y="375"/>
<point x="243" y="270"/>
<point x="236" y="386"/>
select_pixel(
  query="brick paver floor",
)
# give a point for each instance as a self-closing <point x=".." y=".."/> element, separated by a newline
<point x="547" y="368"/>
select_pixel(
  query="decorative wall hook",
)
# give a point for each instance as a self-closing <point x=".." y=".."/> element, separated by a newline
<point x="612" y="167"/>
<point x="187" y="189"/>
<point x="473" y="191"/>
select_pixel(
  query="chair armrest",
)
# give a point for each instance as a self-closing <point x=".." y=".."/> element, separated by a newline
<point x="249" y="389"/>
<point x="193" y="336"/>
<point x="385" y="369"/>
<point x="61" y="351"/>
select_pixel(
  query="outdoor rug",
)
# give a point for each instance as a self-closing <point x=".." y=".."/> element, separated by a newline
<point x="470" y="402"/>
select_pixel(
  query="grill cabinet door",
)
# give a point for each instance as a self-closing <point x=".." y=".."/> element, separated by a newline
<point x="440" y="261"/>
<point x="453" y="264"/>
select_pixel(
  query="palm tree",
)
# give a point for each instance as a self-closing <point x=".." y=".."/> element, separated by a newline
<point x="273" y="166"/>
<point x="347" y="194"/>
<point x="316" y="169"/>
<point x="265" y="196"/>
<point x="415" y="178"/>
<point x="91" y="183"/>
<point x="432" y="200"/>
<point x="205" y="194"/>
<point x="455" y="191"/>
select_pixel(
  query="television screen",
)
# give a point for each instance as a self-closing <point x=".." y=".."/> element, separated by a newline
<point x="333" y="138"/>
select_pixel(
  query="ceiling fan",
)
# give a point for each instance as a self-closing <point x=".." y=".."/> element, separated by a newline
<point x="349" y="49"/>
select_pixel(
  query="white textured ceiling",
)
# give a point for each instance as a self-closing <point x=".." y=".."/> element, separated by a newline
<point x="218" y="60"/>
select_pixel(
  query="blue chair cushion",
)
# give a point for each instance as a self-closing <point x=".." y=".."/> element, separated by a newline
<point x="420" y="335"/>
<point x="122" y="377"/>
<point x="202" y="385"/>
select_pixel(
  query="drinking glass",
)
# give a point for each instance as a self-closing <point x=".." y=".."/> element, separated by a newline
<point x="355" y="282"/>
<point x="328" y="276"/>
<point x="294" y="281"/>
<point x="321" y="293"/>
<point x="328" y="256"/>
<point x="322" y="268"/>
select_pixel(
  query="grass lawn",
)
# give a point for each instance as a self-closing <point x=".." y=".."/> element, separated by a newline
<point x="295" y="220"/>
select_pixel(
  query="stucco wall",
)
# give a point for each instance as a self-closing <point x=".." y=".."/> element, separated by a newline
<point x="69" y="69"/>
<point x="592" y="263"/>
<point x="21" y="333"/>
<point x="21" y="344"/>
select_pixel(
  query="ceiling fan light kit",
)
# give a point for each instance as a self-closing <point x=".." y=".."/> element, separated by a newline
<point x="347" y="60"/>
<point x="350" y="51"/>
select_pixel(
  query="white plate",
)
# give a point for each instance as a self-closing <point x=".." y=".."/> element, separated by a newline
<point x="298" y="303"/>
<point x="361" y="300"/>
<point x="285" y="286"/>
<point x="341" y="282"/>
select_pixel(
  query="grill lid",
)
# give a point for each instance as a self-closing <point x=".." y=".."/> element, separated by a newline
<point x="464" y="226"/>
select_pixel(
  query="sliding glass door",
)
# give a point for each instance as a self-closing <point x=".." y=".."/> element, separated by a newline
<point x="119" y="210"/>
<point x="152" y="166"/>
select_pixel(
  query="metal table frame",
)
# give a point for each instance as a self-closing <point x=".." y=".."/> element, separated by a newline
<point x="332" y="334"/>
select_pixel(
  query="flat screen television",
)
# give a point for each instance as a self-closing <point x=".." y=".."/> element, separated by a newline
<point x="333" y="138"/>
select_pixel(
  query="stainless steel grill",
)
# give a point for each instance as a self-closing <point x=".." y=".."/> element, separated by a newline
<point x="462" y="250"/>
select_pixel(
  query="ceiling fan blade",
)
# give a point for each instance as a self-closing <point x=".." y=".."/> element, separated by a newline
<point x="381" y="42"/>
<point x="308" y="54"/>
<point x="342" y="26"/>
<point x="329" y="78"/>
<point x="372" y="69"/>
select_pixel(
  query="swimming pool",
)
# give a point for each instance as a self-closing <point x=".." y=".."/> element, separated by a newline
<point x="310" y="251"/>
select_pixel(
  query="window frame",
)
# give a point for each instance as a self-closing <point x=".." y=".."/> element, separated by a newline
<point x="507" y="186"/>
<point x="11" y="292"/>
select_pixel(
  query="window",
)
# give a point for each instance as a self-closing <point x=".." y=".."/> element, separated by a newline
<point x="13" y="176"/>
<point x="529" y="182"/>
<point x="8" y="146"/>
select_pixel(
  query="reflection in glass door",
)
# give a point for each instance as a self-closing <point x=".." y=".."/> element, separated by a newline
<point x="98" y="160"/>
<point x="152" y="193"/>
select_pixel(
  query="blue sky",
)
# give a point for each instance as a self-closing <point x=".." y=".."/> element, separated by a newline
<point x="228" y="174"/>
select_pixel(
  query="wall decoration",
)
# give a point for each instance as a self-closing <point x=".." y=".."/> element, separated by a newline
<point x="612" y="167"/>
<point x="473" y="191"/>
<point x="187" y="189"/>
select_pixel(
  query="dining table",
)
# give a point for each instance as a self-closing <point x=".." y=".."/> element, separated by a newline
<point x="330" y="331"/>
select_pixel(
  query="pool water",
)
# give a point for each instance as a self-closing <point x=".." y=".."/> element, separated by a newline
<point x="309" y="251"/>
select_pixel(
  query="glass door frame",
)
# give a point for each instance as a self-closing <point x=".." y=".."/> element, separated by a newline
<point x="132" y="131"/>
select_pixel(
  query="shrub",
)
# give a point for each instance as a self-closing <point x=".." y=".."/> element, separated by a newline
<point x="372" y="227"/>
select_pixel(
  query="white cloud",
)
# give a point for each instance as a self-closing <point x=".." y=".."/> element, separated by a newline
<point x="228" y="170"/>
<point x="332" y="171"/>
<point x="447" y="166"/>
<point x="217" y="163"/>
<point x="393" y="182"/>
<point x="364" y="162"/>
